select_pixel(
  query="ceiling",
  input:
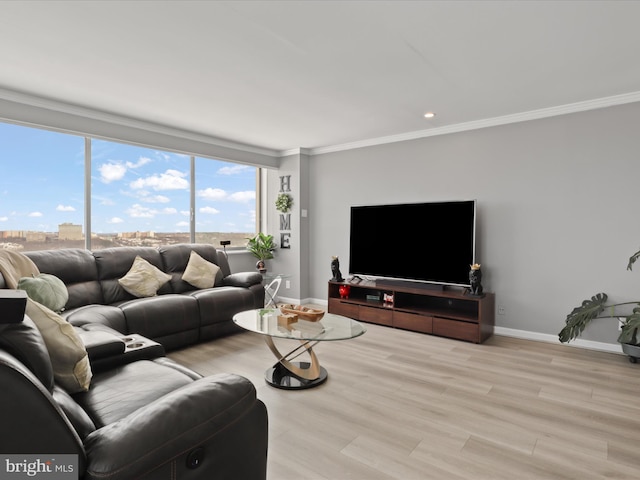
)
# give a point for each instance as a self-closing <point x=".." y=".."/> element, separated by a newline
<point x="282" y="75"/>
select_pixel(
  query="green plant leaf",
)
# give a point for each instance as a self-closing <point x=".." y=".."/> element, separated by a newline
<point x="630" y="328"/>
<point x="581" y="316"/>
<point x="261" y="246"/>
<point x="633" y="259"/>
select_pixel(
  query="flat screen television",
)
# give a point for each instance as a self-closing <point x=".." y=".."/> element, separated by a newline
<point x="430" y="242"/>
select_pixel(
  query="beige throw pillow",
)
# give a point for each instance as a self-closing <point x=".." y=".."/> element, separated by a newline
<point x="199" y="272"/>
<point x="143" y="279"/>
<point x="69" y="359"/>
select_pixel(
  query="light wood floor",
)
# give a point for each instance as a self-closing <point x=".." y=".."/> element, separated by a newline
<point x="403" y="405"/>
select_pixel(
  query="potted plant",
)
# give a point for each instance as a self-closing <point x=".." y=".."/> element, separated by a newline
<point x="262" y="247"/>
<point x="598" y="307"/>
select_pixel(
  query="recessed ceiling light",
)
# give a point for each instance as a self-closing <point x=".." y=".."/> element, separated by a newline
<point x="429" y="115"/>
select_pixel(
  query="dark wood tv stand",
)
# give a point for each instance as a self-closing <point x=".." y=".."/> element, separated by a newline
<point x="443" y="311"/>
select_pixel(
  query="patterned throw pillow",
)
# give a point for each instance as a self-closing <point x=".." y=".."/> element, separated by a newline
<point x="143" y="279"/>
<point x="199" y="272"/>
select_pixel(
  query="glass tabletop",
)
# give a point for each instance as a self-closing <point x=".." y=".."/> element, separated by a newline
<point x="331" y="327"/>
<point x="271" y="276"/>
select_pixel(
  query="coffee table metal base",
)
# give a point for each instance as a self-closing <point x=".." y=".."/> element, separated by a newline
<point x="280" y="377"/>
<point x="295" y="375"/>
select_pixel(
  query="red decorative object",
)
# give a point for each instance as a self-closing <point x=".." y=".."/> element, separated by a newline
<point x="344" y="291"/>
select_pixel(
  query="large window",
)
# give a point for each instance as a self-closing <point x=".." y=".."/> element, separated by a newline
<point x="139" y="196"/>
<point x="225" y="202"/>
<point x="41" y="189"/>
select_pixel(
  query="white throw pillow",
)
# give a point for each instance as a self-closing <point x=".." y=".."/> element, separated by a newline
<point x="69" y="359"/>
<point x="143" y="279"/>
<point x="199" y="272"/>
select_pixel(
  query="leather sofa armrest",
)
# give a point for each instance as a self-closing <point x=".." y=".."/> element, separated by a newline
<point x="217" y="420"/>
<point x="101" y="344"/>
<point x="243" y="279"/>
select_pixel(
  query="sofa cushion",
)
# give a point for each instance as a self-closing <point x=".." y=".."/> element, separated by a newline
<point x="114" y="263"/>
<point x="176" y="257"/>
<point x="172" y="319"/>
<point x="217" y="306"/>
<point x="118" y="392"/>
<point x="200" y="273"/>
<point x="143" y="279"/>
<point x="97" y="316"/>
<point x="47" y="290"/>
<point x="76" y="267"/>
<point x="69" y="359"/>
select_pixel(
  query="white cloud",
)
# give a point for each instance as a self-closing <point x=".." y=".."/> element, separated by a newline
<point x="210" y="210"/>
<point x="185" y="213"/>
<point x="65" y="208"/>
<point x="155" y="199"/>
<point x="110" y="172"/>
<point x="138" y="211"/>
<point x="182" y="224"/>
<point x="234" y="170"/>
<point x="141" y="161"/>
<point x="103" y="200"/>
<point x="217" y="194"/>
<point x="243" y="197"/>
<point x="4" y="219"/>
<point x="35" y="214"/>
<point x="115" y="220"/>
<point x="212" y="194"/>
<point x="116" y="170"/>
<point x="169" y="180"/>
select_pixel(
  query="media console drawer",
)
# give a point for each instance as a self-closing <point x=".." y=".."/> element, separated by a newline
<point x="455" y="329"/>
<point x="347" y="309"/>
<point x="413" y="321"/>
<point x="380" y="316"/>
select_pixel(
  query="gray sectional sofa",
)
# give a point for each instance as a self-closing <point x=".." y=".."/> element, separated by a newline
<point x="179" y="315"/>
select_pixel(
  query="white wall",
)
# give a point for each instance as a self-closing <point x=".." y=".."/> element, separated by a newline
<point x="558" y="212"/>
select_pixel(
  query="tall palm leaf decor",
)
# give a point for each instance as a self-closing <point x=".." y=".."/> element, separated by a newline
<point x="598" y="307"/>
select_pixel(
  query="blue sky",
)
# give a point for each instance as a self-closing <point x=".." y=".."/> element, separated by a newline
<point x="132" y="188"/>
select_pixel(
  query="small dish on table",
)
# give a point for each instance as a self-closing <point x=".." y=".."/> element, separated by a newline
<point x="305" y="313"/>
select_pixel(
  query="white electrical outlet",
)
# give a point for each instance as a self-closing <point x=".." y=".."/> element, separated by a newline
<point x="500" y="310"/>
<point x="287" y="283"/>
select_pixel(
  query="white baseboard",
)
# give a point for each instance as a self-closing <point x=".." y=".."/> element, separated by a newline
<point x="297" y="301"/>
<point x="317" y="301"/>
<point x="545" y="337"/>
<point x="525" y="335"/>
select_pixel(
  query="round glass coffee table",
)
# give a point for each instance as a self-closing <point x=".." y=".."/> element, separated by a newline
<point x="287" y="374"/>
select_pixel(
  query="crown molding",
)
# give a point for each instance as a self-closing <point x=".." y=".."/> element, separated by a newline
<point x="124" y="121"/>
<point x="295" y="151"/>
<point x="489" y="122"/>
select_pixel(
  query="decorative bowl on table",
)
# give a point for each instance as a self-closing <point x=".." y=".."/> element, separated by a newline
<point x="305" y="313"/>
